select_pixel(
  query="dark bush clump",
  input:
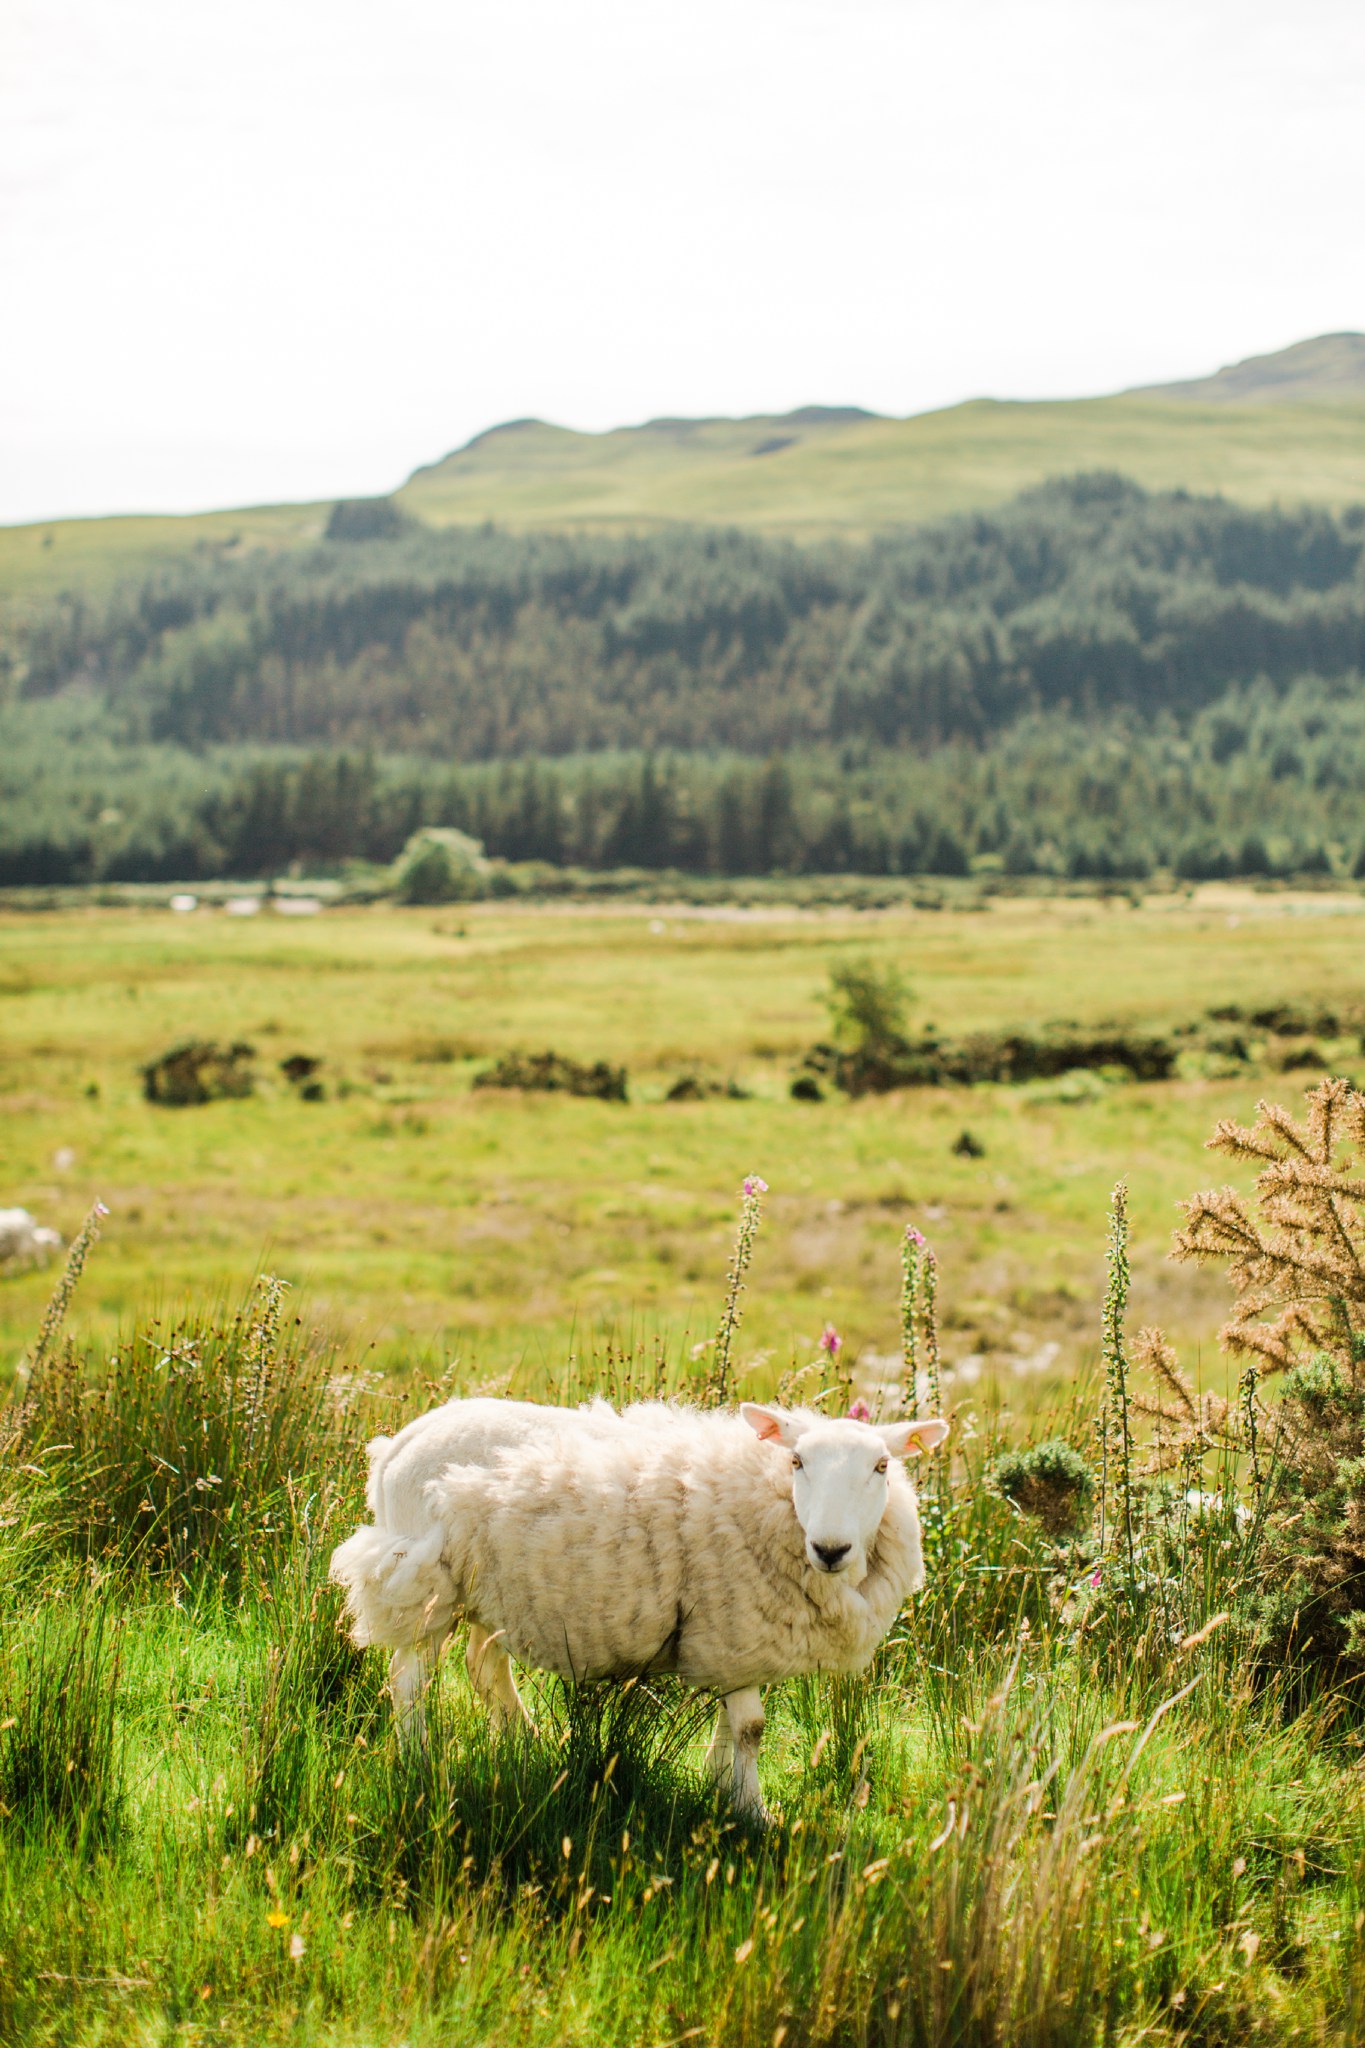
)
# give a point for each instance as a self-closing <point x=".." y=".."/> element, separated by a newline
<point x="699" y="1088"/>
<point x="876" y="1066"/>
<point x="199" y="1070"/>
<point x="1051" y="1482"/>
<point x="550" y="1073"/>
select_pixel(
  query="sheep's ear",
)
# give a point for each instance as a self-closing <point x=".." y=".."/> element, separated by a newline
<point x="908" y="1439"/>
<point x="769" y="1423"/>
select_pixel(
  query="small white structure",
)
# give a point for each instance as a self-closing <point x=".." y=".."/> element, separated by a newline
<point x="242" y="906"/>
<point x="296" y="906"/>
<point x="24" y="1242"/>
<point x="732" y="1550"/>
<point x="182" y="904"/>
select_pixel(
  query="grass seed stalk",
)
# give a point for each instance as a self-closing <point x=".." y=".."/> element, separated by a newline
<point x="1117" y="1428"/>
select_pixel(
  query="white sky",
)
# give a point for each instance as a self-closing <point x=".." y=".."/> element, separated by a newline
<point x="292" y="248"/>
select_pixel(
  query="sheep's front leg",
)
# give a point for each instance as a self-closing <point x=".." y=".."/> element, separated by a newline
<point x="744" y="1711"/>
<point x="490" y="1674"/>
<point x="720" y="1754"/>
<point x="409" y="1676"/>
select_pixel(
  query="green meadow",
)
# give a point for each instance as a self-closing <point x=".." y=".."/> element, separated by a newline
<point x="1074" y="1801"/>
<point x="432" y="1221"/>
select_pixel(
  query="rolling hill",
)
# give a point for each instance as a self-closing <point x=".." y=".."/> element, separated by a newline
<point x="1287" y="428"/>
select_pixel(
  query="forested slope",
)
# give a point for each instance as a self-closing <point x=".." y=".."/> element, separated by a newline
<point x="935" y="695"/>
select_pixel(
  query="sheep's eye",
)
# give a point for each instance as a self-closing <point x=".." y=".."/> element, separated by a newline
<point x="796" y="1463"/>
<point x="882" y="1464"/>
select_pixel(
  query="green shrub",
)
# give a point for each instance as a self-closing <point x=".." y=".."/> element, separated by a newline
<point x="868" y="1005"/>
<point x="1309" y="1607"/>
<point x="1051" y="1482"/>
<point x="439" y="865"/>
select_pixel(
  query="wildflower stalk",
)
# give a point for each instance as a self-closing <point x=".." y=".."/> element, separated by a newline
<point x="716" y="1389"/>
<point x="928" y="1322"/>
<point x="912" y="1250"/>
<point x="919" y="1343"/>
<point x="1117" y="1432"/>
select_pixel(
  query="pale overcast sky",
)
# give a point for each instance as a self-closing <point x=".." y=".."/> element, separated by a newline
<point x="292" y="248"/>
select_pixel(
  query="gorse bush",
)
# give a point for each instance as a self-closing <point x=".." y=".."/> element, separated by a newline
<point x="1295" y="1257"/>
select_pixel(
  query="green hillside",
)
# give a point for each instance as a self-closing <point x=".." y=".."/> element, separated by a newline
<point x="800" y="474"/>
<point x="1285" y="429"/>
<point x="91" y="554"/>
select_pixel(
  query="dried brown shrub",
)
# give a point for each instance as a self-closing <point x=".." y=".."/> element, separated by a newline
<point x="1296" y="1269"/>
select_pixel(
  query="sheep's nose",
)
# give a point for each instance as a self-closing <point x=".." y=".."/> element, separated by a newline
<point x="831" y="1555"/>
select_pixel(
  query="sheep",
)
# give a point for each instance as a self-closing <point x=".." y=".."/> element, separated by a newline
<point x="24" y="1242"/>
<point x="731" y="1550"/>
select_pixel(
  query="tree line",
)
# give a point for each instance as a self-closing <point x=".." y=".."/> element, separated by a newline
<point x="1263" y="782"/>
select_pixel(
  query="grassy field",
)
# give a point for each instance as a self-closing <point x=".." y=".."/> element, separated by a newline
<point x="432" y="1222"/>
<point x="1068" y="1807"/>
<point x="817" y="478"/>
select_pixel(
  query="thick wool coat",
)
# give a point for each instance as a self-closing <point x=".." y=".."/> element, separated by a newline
<point x="599" y="1545"/>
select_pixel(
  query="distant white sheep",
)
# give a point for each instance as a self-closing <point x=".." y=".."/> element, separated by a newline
<point x="731" y="1550"/>
<point x="24" y="1242"/>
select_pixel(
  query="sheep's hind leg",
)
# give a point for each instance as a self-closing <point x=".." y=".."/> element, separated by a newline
<point x="720" y="1754"/>
<point x="490" y="1674"/>
<point x="745" y="1713"/>
<point x="409" y="1676"/>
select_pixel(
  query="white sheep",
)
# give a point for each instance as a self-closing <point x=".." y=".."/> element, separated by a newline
<point x="24" y="1242"/>
<point x="731" y="1550"/>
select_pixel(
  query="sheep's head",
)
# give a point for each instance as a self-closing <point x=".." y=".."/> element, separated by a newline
<point x="841" y="1478"/>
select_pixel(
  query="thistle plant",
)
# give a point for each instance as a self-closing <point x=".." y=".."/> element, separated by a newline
<point x="716" y="1386"/>
<point x="919" y="1321"/>
<point x="912" y="1246"/>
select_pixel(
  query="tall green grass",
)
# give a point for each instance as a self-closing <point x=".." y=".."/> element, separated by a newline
<point x="1061" y="1808"/>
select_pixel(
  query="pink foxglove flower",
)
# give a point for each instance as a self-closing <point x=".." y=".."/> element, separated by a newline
<point x="754" y="1186"/>
<point x="860" y="1412"/>
<point x="830" y="1341"/>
